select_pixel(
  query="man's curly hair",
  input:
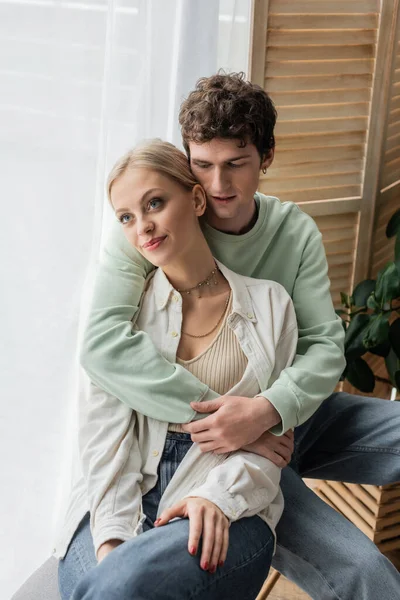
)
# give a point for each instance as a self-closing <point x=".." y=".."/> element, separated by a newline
<point x="227" y="106"/>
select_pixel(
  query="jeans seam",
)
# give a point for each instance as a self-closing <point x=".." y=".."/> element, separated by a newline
<point x="373" y="449"/>
<point x="231" y="570"/>
<point x="82" y="564"/>
<point x="321" y="575"/>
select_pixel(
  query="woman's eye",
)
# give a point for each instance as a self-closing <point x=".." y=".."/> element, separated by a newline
<point x="124" y="219"/>
<point x="155" y="203"/>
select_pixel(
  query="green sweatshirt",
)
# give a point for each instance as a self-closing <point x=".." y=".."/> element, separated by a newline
<point x="284" y="245"/>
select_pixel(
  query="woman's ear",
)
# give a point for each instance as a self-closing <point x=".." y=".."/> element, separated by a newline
<point x="199" y="200"/>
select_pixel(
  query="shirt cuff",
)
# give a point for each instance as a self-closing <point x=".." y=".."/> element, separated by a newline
<point x="113" y="529"/>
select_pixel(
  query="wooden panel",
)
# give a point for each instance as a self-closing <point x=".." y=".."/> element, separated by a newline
<point x="321" y="126"/>
<point x="309" y="167"/>
<point x="317" y="82"/>
<point x="297" y="68"/>
<point x="382" y="248"/>
<point x="305" y="142"/>
<point x="318" y="194"/>
<point x="323" y="52"/>
<point x="319" y="67"/>
<point x="331" y="21"/>
<point x="258" y="39"/>
<point x="282" y="37"/>
<point x="317" y="154"/>
<point x="300" y="98"/>
<point x="316" y="6"/>
<point x="320" y="111"/>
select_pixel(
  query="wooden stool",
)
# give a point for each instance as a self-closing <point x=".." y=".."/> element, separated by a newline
<point x="269" y="585"/>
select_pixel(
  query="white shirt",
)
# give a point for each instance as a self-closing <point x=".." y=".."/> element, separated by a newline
<point x="121" y="449"/>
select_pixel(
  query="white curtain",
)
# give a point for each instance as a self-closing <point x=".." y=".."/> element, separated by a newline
<point x="80" y="82"/>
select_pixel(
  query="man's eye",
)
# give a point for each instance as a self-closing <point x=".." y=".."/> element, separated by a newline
<point x="155" y="203"/>
<point x="124" y="219"/>
<point x="235" y="165"/>
<point x="202" y="165"/>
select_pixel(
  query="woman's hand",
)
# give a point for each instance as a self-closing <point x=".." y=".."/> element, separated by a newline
<point x="206" y="521"/>
<point x="278" y="449"/>
<point x="106" y="548"/>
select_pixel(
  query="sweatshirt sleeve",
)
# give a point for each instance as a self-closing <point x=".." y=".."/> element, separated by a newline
<point x="125" y="362"/>
<point x="301" y="386"/>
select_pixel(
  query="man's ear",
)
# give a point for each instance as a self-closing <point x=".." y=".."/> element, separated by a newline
<point x="199" y="200"/>
<point x="268" y="159"/>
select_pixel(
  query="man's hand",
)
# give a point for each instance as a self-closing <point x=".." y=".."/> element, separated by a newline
<point x="207" y="522"/>
<point x="278" y="449"/>
<point x="106" y="548"/>
<point x="236" y="422"/>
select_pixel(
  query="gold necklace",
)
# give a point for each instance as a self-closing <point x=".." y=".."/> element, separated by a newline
<point x="205" y="281"/>
<point x="215" y="326"/>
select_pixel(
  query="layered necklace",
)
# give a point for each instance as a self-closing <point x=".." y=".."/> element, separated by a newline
<point x="211" y="279"/>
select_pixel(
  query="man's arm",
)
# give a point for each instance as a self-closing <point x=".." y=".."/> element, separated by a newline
<point x="126" y="363"/>
<point x="299" y="389"/>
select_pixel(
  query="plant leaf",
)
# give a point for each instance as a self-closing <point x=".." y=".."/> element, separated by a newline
<point x="393" y="226"/>
<point x="397" y="254"/>
<point x="345" y="299"/>
<point x="397" y="379"/>
<point x="362" y="292"/>
<point x="378" y="330"/>
<point x="381" y="350"/>
<point x="353" y="341"/>
<point x="372" y="303"/>
<point x="360" y="374"/>
<point x="394" y="336"/>
<point x="392" y="365"/>
<point x="387" y="284"/>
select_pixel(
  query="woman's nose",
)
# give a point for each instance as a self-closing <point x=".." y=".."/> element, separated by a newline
<point x="144" y="226"/>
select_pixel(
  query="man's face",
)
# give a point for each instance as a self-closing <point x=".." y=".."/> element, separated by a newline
<point x="229" y="175"/>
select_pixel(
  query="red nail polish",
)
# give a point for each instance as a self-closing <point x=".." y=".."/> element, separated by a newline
<point x="221" y="563"/>
<point x="205" y="566"/>
<point x="193" y="550"/>
<point x="213" y="569"/>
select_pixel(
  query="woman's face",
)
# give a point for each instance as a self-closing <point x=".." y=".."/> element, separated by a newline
<point x="159" y="216"/>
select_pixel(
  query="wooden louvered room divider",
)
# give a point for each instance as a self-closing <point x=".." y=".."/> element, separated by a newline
<point x="333" y="72"/>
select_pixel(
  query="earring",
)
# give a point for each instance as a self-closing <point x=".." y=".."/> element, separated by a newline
<point x="264" y="170"/>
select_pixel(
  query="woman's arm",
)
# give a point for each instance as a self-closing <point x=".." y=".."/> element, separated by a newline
<point x="126" y="363"/>
<point x="111" y="465"/>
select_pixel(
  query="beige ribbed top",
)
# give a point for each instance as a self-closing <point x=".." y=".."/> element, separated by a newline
<point x="221" y="365"/>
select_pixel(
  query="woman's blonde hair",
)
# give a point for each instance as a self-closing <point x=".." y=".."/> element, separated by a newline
<point x="157" y="155"/>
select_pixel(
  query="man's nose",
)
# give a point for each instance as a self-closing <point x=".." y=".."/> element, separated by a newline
<point x="220" y="182"/>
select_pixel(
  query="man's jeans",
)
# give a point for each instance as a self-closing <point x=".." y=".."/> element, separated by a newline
<point x="354" y="439"/>
<point x="156" y="565"/>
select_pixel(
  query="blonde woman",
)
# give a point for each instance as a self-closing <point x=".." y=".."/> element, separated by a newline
<point x="154" y="516"/>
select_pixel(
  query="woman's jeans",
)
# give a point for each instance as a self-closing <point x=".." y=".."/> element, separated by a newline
<point x="156" y="564"/>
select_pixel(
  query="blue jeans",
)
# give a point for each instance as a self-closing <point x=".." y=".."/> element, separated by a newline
<point x="354" y="439"/>
<point x="157" y="564"/>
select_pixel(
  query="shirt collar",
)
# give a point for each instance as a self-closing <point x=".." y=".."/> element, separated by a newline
<point x="241" y="299"/>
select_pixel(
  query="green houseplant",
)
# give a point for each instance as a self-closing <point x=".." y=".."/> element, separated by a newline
<point x="371" y="319"/>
